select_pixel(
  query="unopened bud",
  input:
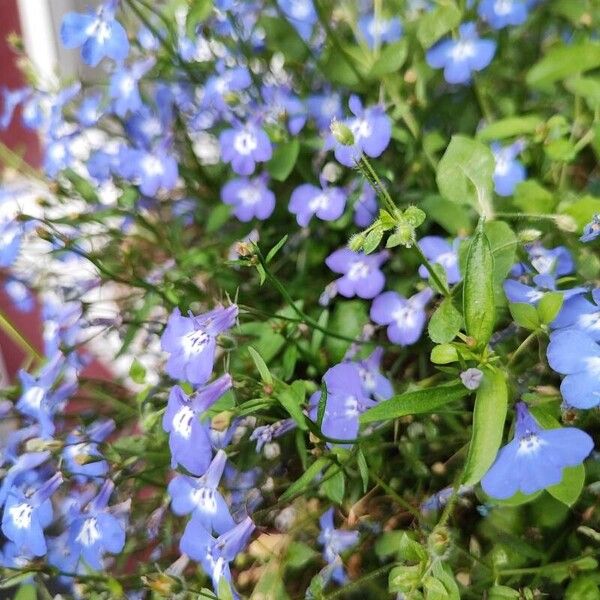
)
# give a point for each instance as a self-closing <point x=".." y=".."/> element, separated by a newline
<point x="471" y="378"/>
<point x="342" y="133"/>
<point x="439" y="541"/>
<point x="529" y="235"/>
<point x="566" y="223"/>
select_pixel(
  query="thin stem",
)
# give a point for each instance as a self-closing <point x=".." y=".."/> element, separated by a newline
<point x="432" y="272"/>
<point x="18" y="338"/>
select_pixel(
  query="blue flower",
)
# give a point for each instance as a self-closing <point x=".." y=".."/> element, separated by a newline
<point x="124" y="87"/>
<point x="324" y="108"/>
<point x="535" y="458"/>
<point x="191" y="342"/>
<point x="575" y="354"/>
<point x="11" y="235"/>
<point x="200" y="496"/>
<point x="215" y="554"/>
<point x="244" y="146"/>
<point x="189" y="439"/>
<point x="221" y="85"/>
<point x="283" y="105"/>
<point x="361" y="275"/>
<point x="95" y="531"/>
<point x="371" y="129"/>
<point x="20" y="294"/>
<point x="327" y="203"/>
<point x="460" y="58"/>
<point x="405" y="317"/>
<point x="81" y="454"/>
<point x="152" y="170"/>
<point x="578" y="312"/>
<point x="12" y="99"/>
<point x="501" y="13"/>
<point x="57" y="156"/>
<point x="23" y="464"/>
<point x="267" y="433"/>
<point x="251" y="198"/>
<point x="379" y="31"/>
<point x="365" y="207"/>
<point x="508" y="171"/>
<point x="301" y="14"/>
<point x="592" y="230"/>
<point x="89" y="112"/>
<point x="26" y="516"/>
<point x="375" y="385"/>
<point x="439" y="252"/>
<point x="334" y="542"/>
<point x="99" y="34"/>
<point x="346" y="400"/>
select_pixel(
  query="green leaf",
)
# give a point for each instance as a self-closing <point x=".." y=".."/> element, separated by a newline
<point x="26" y="592"/>
<point x="372" y="240"/>
<point x="503" y="243"/>
<point x="348" y="319"/>
<point x="445" y="322"/>
<point x="415" y="402"/>
<point x="478" y="289"/>
<point x="583" y="210"/>
<point x="390" y="59"/>
<point x="438" y="22"/>
<point x="562" y="62"/>
<point x="305" y="479"/>
<point x="334" y="484"/>
<point x="510" y="127"/>
<point x="198" y="12"/>
<point x="444" y="574"/>
<point x="276" y="248"/>
<point x="532" y="197"/>
<point x="270" y="584"/>
<point x="489" y="415"/>
<point x="586" y="87"/>
<point x="265" y="374"/>
<point x="569" y="489"/>
<point x="501" y="592"/>
<point x="322" y="404"/>
<point x="224" y="590"/>
<point x="283" y="160"/>
<point x="583" y="587"/>
<point x="454" y="218"/>
<point x="137" y="371"/>
<point x="444" y="354"/>
<point x="549" y="305"/>
<point x="434" y="589"/>
<point x="292" y="398"/>
<point x="217" y="217"/>
<point x="525" y="315"/>
<point x="299" y="554"/>
<point x="363" y="469"/>
<point x="464" y="174"/>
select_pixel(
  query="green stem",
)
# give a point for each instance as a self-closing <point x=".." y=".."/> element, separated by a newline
<point x="432" y="272"/>
<point x="371" y="176"/>
<point x="358" y="582"/>
<point x="16" y="336"/>
<point x="395" y="496"/>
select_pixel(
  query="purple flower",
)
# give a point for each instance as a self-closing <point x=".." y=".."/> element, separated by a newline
<point x="575" y="354"/>
<point x="94" y="531"/>
<point x="371" y="129"/>
<point x="200" y="496"/>
<point x="346" y="400"/>
<point x="12" y="99"/>
<point x="191" y="342"/>
<point x="99" y="34"/>
<point x="25" y="516"/>
<point x="250" y="198"/>
<point x="215" y="554"/>
<point x="592" y="230"/>
<point x="223" y="83"/>
<point x="508" y="171"/>
<point x="379" y="31"/>
<point x="301" y="14"/>
<point x="267" y="433"/>
<point x="327" y="203"/>
<point x="324" y="108"/>
<point x="334" y="542"/>
<point x="244" y="146"/>
<point x="189" y="439"/>
<point x="578" y="312"/>
<point x="501" y="13"/>
<point x="11" y="234"/>
<point x="20" y="295"/>
<point x="89" y="111"/>
<point x="124" y="87"/>
<point x="374" y="383"/>
<point x="405" y="317"/>
<point x="535" y="458"/>
<point x="439" y="252"/>
<point x="152" y="170"/>
<point x="365" y="207"/>
<point x="361" y="274"/>
<point x="83" y="444"/>
<point x="460" y="58"/>
<point x="57" y="156"/>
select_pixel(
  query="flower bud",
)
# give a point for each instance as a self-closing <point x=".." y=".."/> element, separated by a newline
<point x="342" y="133"/>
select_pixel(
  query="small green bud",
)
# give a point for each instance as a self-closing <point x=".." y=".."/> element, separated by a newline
<point x="403" y="236"/>
<point x="414" y="216"/>
<point x="566" y="223"/>
<point x="438" y="541"/>
<point x="529" y="235"/>
<point x="356" y="242"/>
<point x="342" y="133"/>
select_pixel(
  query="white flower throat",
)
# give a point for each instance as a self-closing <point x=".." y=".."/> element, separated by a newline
<point x="21" y="515"/>
<point x="194" y="342"/>
<point x="89" y="533"/>
<point x="245" y="143"/>
<point x="182" y="422"/>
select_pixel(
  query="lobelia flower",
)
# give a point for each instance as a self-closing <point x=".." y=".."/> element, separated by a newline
<point x="592" y="230"/>
<point x="324" y="108"/>
<point x="95" y="531"/>
<point x="244" y="494"/>
<point x="57" y="156"/>
<point x="124" y="87"/>
<point x="460" y="58"/>
<point x="405" y="317"/>
<point x="360" y="272"/>
<point x="374" y="383"/>
<point x="508" y="171"/>
<point x="501" y="13"/>
<point x="439" y="252"/>
<point x="283" y="105"/>
<point x="81" y="454"/>
<point x="201" y="497"/>
<point x="327" y="203"/>
<point x="20" y="295"/>
<point x="11" y="235"/>
<point x="12" y="99"/>
<point x="152" y="170"/>
<point x="365" y="207"/>
<point x="27" y="515"/>
<point x="191" y="342"/>
<point x="301" y="14"/>
<point x="379" y="31"/>
<point x="535" y="458"/>
<point x="251" y="198"/>
<point x="334" y="542"/>
<point x="575" y="354"/>
<point x="22" y="464"/>
<point x="89" y="112"/>
<point x="371" y="131"/>
<point x="265" y="434"/>
<point x="215" y="554"/>
<point x="578" y="312"/>
<point x="189" y="438"/>
<point x="224" y="83"/>
<point x="243" y="146"/>
<point x="346" y="400"/>
<point x="98" y="33"/>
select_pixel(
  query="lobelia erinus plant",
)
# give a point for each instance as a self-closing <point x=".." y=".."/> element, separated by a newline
<point x="341" y="260"/>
